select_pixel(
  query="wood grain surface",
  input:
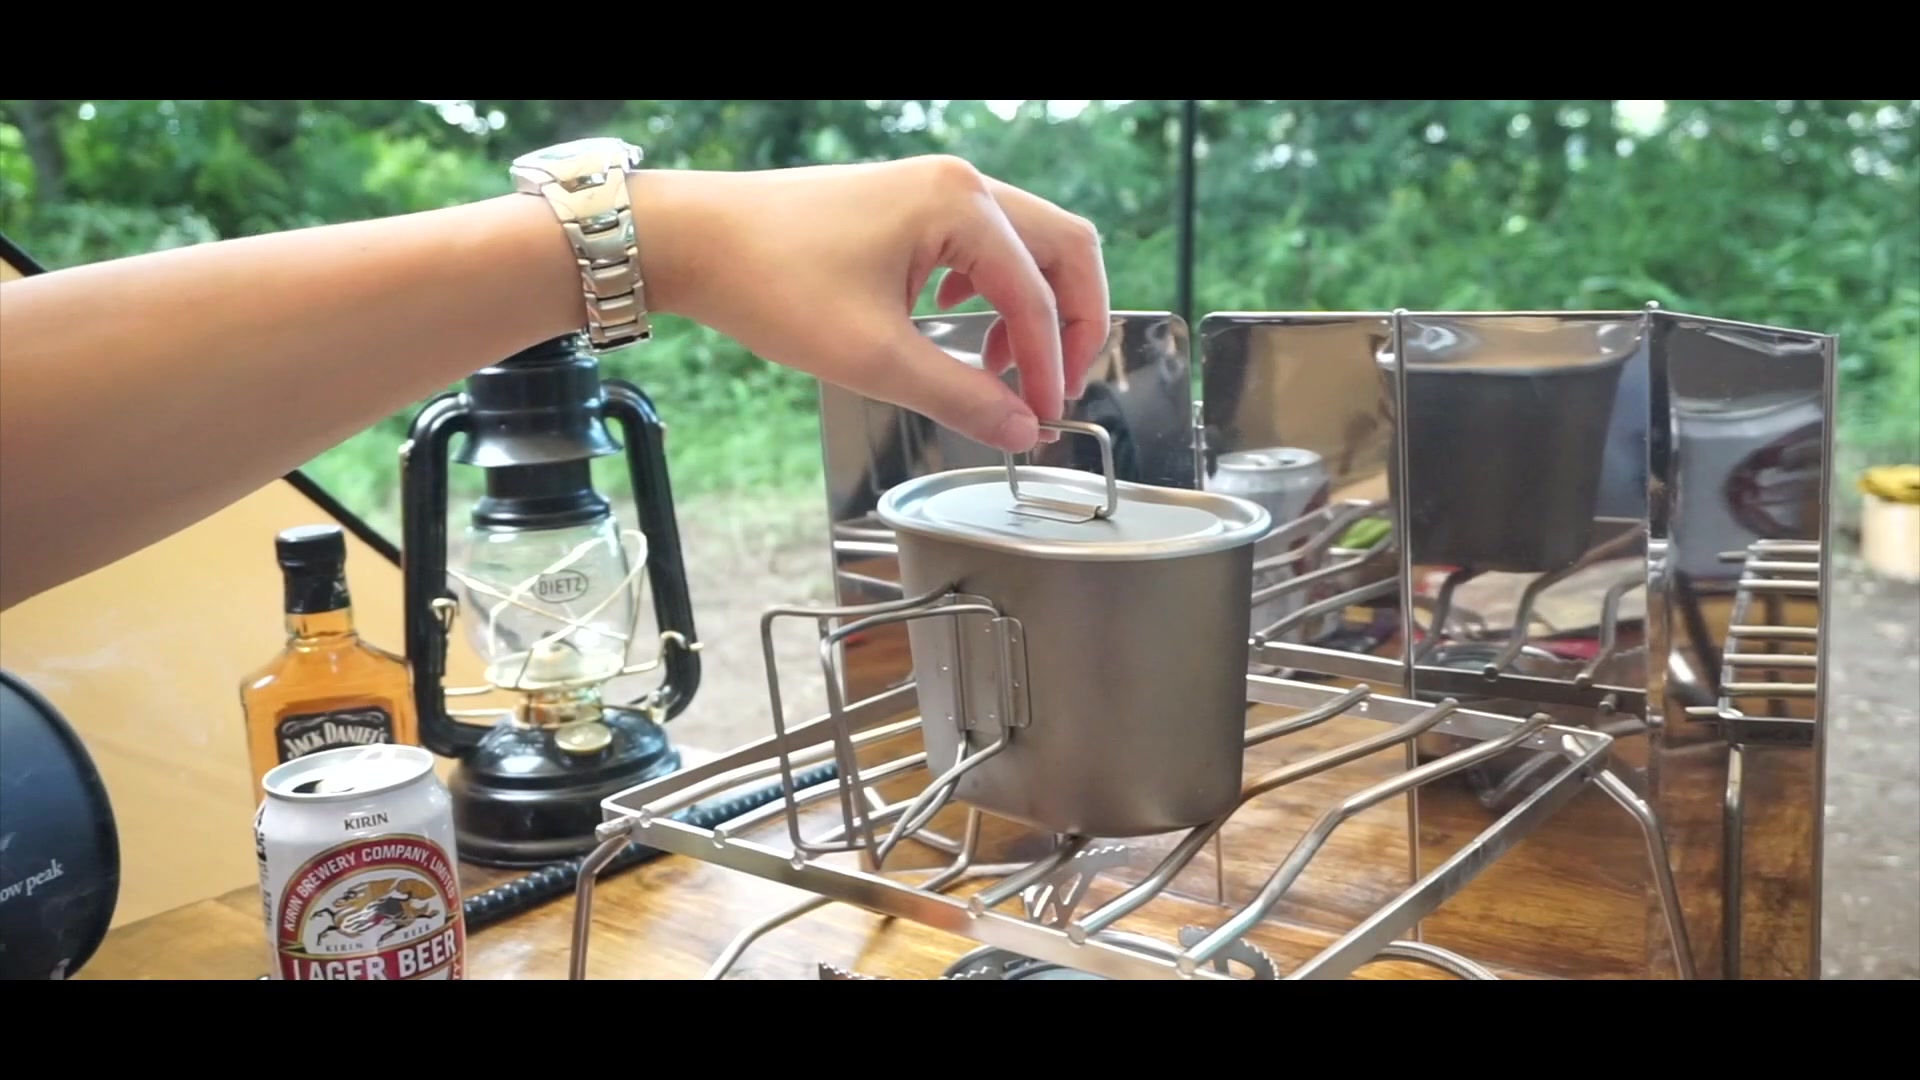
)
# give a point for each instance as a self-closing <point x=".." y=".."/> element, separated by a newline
<point x="671" y="918"/>
<point x="1573" y="900"/>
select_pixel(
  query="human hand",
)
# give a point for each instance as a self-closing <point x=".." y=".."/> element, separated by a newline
<point x="818" y="269"/>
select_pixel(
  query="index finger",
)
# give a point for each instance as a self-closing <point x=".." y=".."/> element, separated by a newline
<point x="1067" y="250"/>
<point x="993" y="257"/>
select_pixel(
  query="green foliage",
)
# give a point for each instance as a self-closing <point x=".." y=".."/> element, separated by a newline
<point x="1800" y="213"/>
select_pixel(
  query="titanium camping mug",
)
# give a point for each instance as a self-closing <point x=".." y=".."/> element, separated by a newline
<point x="1094" y="668"/>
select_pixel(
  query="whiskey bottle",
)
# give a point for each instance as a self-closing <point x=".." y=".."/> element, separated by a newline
<point x="328" y="687"/>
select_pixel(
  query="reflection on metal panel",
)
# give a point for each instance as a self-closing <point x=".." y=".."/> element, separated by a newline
<point x="1613" y="518"/>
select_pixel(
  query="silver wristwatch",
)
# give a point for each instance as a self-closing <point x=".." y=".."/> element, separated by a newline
<point x="586" y="184"/>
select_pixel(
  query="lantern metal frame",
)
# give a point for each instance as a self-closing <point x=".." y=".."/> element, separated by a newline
<point x="528" y="794"/>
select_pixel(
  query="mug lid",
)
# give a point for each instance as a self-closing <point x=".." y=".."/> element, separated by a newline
<point x="1065" y="514"/>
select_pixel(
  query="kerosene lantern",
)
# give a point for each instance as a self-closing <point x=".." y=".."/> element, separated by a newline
<point x="546" y="585"/>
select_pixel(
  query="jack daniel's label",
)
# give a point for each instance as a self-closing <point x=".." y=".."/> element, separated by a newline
<point x="379" y="908"/>
<point x="300" y="734"/>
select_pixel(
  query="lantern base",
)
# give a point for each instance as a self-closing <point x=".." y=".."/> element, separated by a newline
<point x="522" y="799"/>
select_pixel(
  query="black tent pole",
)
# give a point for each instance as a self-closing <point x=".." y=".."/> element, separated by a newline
<point x="1183" y="223"/>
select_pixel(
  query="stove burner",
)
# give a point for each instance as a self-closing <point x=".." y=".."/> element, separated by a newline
<point x="990" y="963"/>
<point x="1016" y="968"/>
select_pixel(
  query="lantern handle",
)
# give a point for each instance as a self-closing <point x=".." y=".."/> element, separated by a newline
<point x="423" y="560"/>
<point x="644" y="436"/>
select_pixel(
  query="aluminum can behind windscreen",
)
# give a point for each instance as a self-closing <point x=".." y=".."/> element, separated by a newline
<point x="359" y="871"/>
<point x="1290" y="483"/>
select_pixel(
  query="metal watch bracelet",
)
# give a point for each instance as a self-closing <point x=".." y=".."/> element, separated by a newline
<point x="598" y="221"/>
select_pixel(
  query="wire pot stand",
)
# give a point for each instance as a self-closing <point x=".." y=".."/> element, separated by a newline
<point x="1050" y="929"/>
<point x="1771" y="572"/>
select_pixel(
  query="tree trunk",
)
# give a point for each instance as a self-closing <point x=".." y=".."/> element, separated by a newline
<point x="41" y="133"/>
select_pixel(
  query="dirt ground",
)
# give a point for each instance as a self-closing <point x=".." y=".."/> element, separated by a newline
<point x="741" y="559"/>
<point x="744" y="558"/>
<point x="1872" y="919"/>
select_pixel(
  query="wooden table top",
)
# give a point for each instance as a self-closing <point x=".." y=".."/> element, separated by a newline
<point x="671" y="918"/>
<point x="1572" y="900"/>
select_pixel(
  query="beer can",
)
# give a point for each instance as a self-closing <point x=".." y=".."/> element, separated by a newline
<point x="359" y="871"/>
<point x="1290" y="483"/>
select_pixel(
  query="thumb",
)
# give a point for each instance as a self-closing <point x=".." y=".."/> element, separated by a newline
<point x="965" y="399"/>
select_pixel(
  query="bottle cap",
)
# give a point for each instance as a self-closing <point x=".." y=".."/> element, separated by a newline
<point x="311" y="545"/>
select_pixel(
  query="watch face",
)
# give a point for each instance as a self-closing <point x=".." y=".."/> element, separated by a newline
<point x="597" y="150"/>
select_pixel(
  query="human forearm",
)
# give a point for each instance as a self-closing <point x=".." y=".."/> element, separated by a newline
<point x="141" y="394"/>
